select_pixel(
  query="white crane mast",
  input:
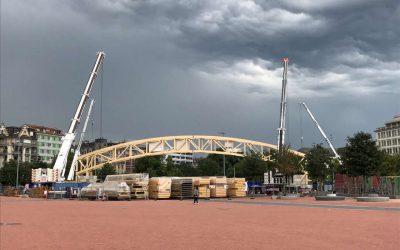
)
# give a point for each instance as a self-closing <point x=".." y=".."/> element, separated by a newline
<point x="78" y="148"/>
<point x="337" y="156"/>
<point x="70" y="136"/>
<point x="281" y="129"/>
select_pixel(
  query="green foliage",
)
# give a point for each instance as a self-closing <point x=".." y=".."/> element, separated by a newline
<point x="252" y="167"/>
<point x="8" y="173"/>
<point x="107" y="169"/>
<point x="230" y="162"/>
<point x="317" y="162"/>
<point x="152" y="165"/>
<point x="390" y="165"/>
<point x="288" y="163"/>
<point x="361" y="156"/>
<point x="209" y="167"/>
<point x="187" y="169"/>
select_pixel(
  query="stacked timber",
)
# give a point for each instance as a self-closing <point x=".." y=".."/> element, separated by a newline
<point x="138" y="183"/>
<point x="116" y="190"/>
<point x="203" y="185"/>
<point x="37" y="192"/>
<point x="160" y="188"/>
<point x="236" y="187"/>
<point x="92" y="191"/>
<point x="218" y="185"/>
<point x="11" y="191"/>
<point x="181" y="187"/>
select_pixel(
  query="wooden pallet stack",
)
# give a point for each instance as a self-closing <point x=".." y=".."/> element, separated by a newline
<point x="218" y="185"/>
<point x="138" y="183"/>
<point x="203" y="185"/>
<point x="37" y="192"/>
<point x="181" y="188"/>
<point x="236" y="187"/>
<point x="160" y="188"/>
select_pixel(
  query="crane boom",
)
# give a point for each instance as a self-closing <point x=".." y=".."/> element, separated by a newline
<point x="281" y="129"/>
<point x="78" y="148"/>
<point x="337" y="156"/>
<point x="70" y="136"/>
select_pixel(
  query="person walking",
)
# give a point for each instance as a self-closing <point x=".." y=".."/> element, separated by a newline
<point x="196" y="195"/>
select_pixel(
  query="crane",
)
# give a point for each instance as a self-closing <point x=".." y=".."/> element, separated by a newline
<point x="281" y="129"/>
<point x="70" y="135"/>
<point x="78" y="148"/>
<point x="337" y="156"/>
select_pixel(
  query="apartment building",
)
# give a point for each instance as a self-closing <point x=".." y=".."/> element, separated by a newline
<point x="388" y="137"/>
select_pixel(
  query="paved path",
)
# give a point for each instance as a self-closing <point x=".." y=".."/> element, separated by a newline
<point x="266" y="203"/>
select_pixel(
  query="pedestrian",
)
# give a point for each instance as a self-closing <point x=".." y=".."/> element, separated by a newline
<point x="196" y="195"/>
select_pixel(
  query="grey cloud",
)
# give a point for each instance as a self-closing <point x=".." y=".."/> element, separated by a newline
<point x="181" y="67"/>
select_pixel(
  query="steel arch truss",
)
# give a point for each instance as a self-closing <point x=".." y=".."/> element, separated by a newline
<point x="171" y="145"/>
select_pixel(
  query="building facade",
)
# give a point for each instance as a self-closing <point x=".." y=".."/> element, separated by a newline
<point x="99" y="143"/>
<point x="17" y="143"/>
<point x="388" y="137"/>
<point x="48" y="142"/>
<point x="181" y="158"/>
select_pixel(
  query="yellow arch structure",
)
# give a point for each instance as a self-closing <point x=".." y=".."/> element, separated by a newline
<point x="87" y="163"/>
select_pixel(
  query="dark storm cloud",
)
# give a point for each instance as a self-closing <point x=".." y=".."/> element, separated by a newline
<point x="183" y="67"/>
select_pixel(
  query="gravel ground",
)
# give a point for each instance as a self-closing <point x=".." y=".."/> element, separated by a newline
<point x="170" y="224"/>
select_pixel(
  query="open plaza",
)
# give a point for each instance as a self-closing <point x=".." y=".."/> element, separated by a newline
<point x="259" y="223"/>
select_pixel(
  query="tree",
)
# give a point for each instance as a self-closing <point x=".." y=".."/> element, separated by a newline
<point x="230" y="162"/>
<point x="208" y="167"/>
<point x="390" y="165"/>
<point x="8" y="173"/>
<point x="361" y="156"/>
<point x="152" y="165"/>
<point x="107" y="169"/>
<point x="317" y="164"/>
<point x="187" y="169"/>
<point x="252" y="167"/>
<point x="288" y="164"/>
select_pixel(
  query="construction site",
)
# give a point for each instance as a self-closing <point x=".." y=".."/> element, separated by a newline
<point x="73" y="210"/>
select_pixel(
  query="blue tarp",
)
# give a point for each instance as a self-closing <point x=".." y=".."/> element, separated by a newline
<point x="61" y="186"/>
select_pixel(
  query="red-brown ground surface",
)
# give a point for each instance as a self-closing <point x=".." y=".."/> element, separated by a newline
<point x="171" y="224"/>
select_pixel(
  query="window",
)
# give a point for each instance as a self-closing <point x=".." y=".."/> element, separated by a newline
<point x="48" y="144"/>
<point x="48" y="151"/>
<point x="394" y="142"/>
<point x="394" y="133"/>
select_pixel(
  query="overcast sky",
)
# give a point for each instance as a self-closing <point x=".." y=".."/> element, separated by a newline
<point x="200" y="67"/>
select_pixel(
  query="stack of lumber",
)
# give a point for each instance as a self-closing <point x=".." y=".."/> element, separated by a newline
<point x="203" y="185"/>
<point x="181" y="188"/>
<point x="36" y="174"/>
<point x="160" y="188"/>
<point x="37" y="192"/>
<point x="236" y="187"/>
<point x="116" y="190"/>
<point x="11" y="191"/>
<point x="92" y="191"/>
<point x="218" y="186"/>
<point x="138" y="183"/>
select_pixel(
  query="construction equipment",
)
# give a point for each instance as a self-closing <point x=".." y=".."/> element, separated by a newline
<point x="281" y="129"/>
<point x="78" y="148"/>
<point x="70" y="136"/>
<point x="337" y="156"/>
